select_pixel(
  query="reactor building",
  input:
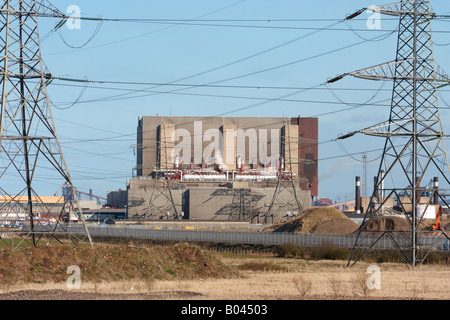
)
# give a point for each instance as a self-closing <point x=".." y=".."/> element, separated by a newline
<point x="252" y="169"/>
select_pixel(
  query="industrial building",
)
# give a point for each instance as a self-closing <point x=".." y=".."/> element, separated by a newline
<point x="117" y="199"/>
<point x="48" y="208"/>
<point x="260" y="170"/>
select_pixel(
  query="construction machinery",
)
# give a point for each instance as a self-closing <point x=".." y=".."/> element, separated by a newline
<point x="439" y="225"/>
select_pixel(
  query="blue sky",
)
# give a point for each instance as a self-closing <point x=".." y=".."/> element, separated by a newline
<point x="207" y="42"/>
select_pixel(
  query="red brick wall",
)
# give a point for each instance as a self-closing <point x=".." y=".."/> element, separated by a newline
<point x="309" y="130"/>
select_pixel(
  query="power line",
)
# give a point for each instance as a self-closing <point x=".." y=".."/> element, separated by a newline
<point x="209" y="23"/>
<point x="161" y="84"/>
<point x="173" y="20"/>
<point x="351" y="155"/>
<point x="213" y="84"/>
<point x="147" y="33"/>
<point x="314" y="101"/>
<point x="229" y="86"/>
<point x="95" y="33"/>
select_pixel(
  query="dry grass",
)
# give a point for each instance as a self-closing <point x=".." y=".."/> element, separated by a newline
<point x="260" y="278"/>
<point x="107" y="263"/>
<point x="315" y="285"/>
<point x="323" y="280"/>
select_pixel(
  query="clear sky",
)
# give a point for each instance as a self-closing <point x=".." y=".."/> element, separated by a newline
<point x="287" y="45"/>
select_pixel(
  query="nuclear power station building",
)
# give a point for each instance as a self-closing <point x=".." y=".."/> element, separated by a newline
<point x="258" y="170"/>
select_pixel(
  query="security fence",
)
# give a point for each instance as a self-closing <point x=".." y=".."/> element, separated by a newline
<point x="265" y="238"/>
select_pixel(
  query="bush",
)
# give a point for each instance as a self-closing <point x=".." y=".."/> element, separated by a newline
<point x="434" y="257"/>
<point x="287" y="250"/>
<point x="388" y="256"/>
<point x="335" y="253"/>
<point x="329" y="253"/>
<point x="261" y="266"/>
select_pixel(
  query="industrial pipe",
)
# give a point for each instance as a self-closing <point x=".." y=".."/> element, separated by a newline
<point x="358" y="196"/>
<point x="436" y="188"/>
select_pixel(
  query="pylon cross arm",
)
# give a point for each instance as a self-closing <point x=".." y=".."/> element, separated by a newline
<point x="44" y="9"/>
<point x="400" y="70"/>
<point x="398" y="9"/>
<point x="384" y="129"/>
<point x="403" y="8"/>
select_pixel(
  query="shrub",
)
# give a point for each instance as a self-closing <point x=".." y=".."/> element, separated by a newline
<point x="335" y="253"/>
<point x="329" y="253"/>
<point x="261" y="266"/>
<point x="289" y="250"/>
<point x="303" y="285"/>
<point x="388" y="256"/>
<point x="434" y="257"/>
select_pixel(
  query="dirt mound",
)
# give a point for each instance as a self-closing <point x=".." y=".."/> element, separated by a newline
<point x="393" y="223"/>
<point x="322" y="220"/>
<point x="109" y="263"/>
<point x="337" y="227"/>
<point x="390" y="223"/>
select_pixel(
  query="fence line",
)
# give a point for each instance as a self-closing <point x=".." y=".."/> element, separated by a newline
<point x="263" y="238"/>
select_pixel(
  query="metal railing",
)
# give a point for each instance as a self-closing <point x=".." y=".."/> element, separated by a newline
<point x="265" y="238"/>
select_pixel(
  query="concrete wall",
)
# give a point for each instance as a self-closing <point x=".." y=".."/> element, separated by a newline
<point x="210" y="202"/>
<point x="147" y="200"/>
<point x="89" y="204"/>
<point x="226" y="204"/>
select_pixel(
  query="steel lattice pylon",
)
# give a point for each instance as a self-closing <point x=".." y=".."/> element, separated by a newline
<point x="161" y="202"/>
<point x="30" y="151"/>
<point x="290" y="202"/>
<point x="414" y="151"/>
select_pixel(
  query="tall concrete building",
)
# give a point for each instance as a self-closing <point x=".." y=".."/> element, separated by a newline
<point x="223" y="168"/>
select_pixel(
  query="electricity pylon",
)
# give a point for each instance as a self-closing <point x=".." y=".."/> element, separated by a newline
<point x="161" y="202"/>
<point x="30" y="154"/>
<point x="414" y="150"/>
<point x="285" y="197"/>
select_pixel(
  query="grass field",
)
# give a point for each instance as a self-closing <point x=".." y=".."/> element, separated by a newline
<point x="279" y="278"/>
<point x="187" y="272"/>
